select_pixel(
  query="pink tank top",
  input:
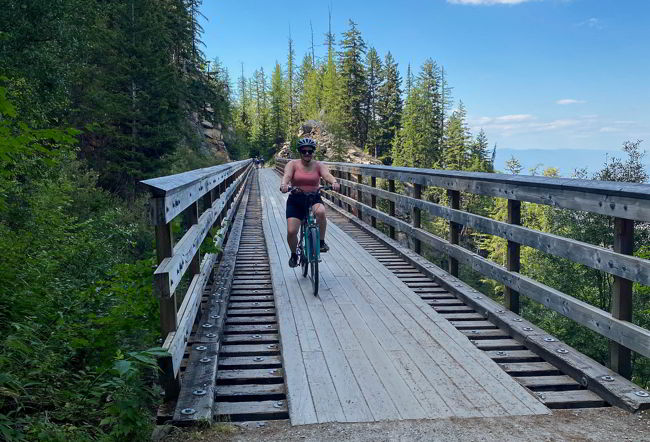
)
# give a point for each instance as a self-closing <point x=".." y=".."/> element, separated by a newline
<point x="308" y="181"/>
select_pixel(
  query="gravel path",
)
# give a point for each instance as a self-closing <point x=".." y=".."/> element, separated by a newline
<point x="609" y="424"/>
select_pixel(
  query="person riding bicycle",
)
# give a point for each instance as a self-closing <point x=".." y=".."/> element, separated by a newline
<point x="305" y="175"/>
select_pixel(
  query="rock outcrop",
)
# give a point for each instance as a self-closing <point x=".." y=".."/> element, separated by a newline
<point x="327" y="146"/>
<point x="212" y="142"/>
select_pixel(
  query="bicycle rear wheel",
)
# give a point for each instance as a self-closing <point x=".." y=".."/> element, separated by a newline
<point x="314" y="249"/>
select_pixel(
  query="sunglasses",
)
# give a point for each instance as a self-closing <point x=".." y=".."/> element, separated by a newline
<point x="306" y="152"/>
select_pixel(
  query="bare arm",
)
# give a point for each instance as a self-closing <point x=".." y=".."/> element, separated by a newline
<point x="286" y="178"/>
<point x="327" y="176"/>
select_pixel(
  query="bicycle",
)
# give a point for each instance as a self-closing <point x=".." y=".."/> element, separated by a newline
<point x="309" y="246"/>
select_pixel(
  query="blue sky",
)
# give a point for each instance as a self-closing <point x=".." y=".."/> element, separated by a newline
<point x="535" y="74"/>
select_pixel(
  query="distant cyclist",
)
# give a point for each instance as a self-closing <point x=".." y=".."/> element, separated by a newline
<point x="305" y="174"/>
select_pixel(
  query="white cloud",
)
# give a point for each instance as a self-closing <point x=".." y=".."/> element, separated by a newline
<point x="515" y="117"/>
<point x="488" y="2"/>
<point x="566" y="101"/>
<point x="592" y="22"/>
<point x="609" y="129"/>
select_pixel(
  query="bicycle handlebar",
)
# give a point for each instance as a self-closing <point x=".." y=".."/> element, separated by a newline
<point x="294" y="189"/>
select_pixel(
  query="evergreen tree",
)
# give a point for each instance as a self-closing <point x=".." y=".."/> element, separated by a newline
<point x="374" y="77"/>
<point x="278" y="106"/>
<point x="292" y="117"/>
<point x="417" y="143"/>
<point x="331" y="97"/>
<point x="353" y="85"/>
<point x="389" y="105"/>
<point x="480" y="159"/>
<point x="457" y="141"/>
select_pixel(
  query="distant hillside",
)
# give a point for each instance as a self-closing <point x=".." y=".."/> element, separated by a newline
<point x="566" y="160"/>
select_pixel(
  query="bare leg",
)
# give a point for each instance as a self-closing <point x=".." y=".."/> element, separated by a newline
<point x="293" y="226"/>
<point x="319" y="214"/>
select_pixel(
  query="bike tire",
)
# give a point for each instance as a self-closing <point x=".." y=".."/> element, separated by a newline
<point x="304" y="261"/>
<point x="314" y="245"/>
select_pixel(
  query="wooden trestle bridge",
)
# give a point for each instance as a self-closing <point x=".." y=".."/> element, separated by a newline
<point x="391" y="335"/>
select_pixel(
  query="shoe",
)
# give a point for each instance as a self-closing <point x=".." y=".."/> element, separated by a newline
<point x="324" y="247"/>
<point x="293" y="261"/>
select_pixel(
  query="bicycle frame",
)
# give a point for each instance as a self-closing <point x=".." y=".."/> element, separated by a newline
<point x="307" y="223"/>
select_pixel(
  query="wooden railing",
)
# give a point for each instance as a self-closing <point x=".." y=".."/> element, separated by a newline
<point x="625" y="202"/>
<point x="204" y="198"/>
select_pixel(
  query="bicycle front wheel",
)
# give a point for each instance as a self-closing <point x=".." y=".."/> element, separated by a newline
<point x="304" y="257"/>
<point x="314" y="252"/>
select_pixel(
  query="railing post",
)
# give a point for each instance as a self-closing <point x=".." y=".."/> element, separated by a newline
<point x="620" y="357"/>
<point x="164" y="248"/>
<point x="359" y="196"/>
<point x="391" y="208"/>
<point x="416" y="217"/>
<point x="454" y="229"/>
<point x="191" y="217"/>
<point x="373" y="201"/>
<point x="511" y="297"/>
<point x="348" y="191"/>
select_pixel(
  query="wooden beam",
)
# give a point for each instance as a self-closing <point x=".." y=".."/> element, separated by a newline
<point x="624" y="200"/>
<point x="511" y="297"/>
<point x="599" y="258"/>
<point x="359" y="195"/>
<point x="620" y="356"/>
<point x="373" y="201"/>
<point x="391" y="207"/>
<point x="416" y="217"/>
<point x="173" y="194"/>
<point x="454" y="230"/>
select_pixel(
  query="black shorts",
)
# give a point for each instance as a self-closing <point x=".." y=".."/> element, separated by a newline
<point x="298" y="205"/>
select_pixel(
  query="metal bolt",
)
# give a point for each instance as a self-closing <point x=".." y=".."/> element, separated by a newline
<point x="641" y="393"/>
<point x="207" y="326"/>
<point x="501" y="353"/>
<point x="258" y="358"/>
<point x="607" y="378"/>
<point x="517" y="319"/>
<point x="210" y="335"/>
<point x="501" y="311"/>
<point x="269" y="326"/>
<point x="528" y="329"/>
<point x="215" y="316"/>
<point x="199" y="392"/>
<point x="200" y="347"/>
<point x="278" y="404"/>
<point x="271" y="346"/>
<point x="474" y="331"/>
<point x="562" y="350"/>
<point x="188" y="411"/>
<point x="478" y="297"/>
<point x="549" y="339"/>
<point x="205" y="360"/>
<point x="273" y="370"/>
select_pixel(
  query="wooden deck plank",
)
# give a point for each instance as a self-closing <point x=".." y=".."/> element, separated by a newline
<point x="326" y="400"/>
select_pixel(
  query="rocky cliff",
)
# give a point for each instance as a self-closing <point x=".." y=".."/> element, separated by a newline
<point x="328" y="149"/>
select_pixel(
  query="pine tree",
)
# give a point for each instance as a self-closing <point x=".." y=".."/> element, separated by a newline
<point x="480" y="160"/>
<point x="292" y="118"/>
<point x="417" y="143"/>
<point x="278" y="106"/>
<point x="389" y="105"/>
<point x="331" y="97"/>
<point x="353" y="85"/>
<point x="457" y="140"/>
<point x="374" y="78"/>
